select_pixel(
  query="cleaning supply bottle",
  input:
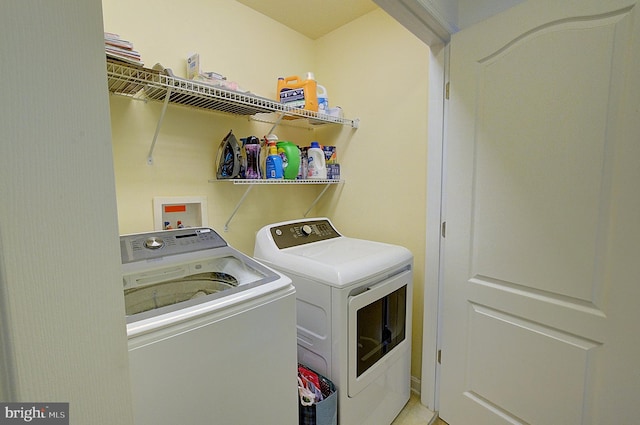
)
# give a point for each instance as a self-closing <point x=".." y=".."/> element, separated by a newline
<point x="273" y="166"/>
<point x="265" y="143"/>
<point x="252" y="158"/>
<point x="290" y="154"/>
<point x="316" y="166"/>
<point x="298" y="93"/>
<point x="323" y="100"/>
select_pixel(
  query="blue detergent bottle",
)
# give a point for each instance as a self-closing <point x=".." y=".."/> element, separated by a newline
<point x="274" y="168"/>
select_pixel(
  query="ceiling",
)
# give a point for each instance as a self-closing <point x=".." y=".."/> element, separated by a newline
<point x="313" y="18"/>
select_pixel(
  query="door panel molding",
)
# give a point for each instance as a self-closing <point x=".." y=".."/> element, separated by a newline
<point x="576" y="22"/>
<point x="530" y="130"/>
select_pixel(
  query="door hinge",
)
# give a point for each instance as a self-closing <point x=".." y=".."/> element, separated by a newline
<point x="446" y="91"/>
<point x="439" y="356"/>
<point x="444" y="229"/>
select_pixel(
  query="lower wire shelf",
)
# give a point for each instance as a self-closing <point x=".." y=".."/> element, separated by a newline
<point x="254" y="182"/>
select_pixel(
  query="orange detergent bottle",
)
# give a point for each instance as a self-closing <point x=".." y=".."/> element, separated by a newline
<point x="299" y="93"/>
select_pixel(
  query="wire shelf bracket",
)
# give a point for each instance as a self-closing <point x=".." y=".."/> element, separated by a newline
<point x="251" y="183"/>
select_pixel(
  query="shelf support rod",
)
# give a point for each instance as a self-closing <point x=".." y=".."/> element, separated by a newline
<point x="235" y="210"/>
<point x="315" y="201"/>
<point x="155" y="136"/>
<point x="275" y="124"/>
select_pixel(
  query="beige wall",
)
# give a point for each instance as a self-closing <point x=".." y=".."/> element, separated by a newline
<point x="373" y="68"/>
<point x="237" y="42"/>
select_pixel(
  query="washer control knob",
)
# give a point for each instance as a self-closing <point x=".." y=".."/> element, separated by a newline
<point x="306" y="230"/>
<point x="154" y="242"/>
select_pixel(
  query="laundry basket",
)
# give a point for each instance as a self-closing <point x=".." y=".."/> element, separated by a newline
<point x="324" y="412"/>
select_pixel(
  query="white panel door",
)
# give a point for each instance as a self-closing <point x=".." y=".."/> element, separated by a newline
<point x="541" y="258"/>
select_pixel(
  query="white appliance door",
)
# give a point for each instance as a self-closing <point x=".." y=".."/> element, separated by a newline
<point x="379" y="331"/>
<point x="541" y="252"/>
<point x="236" y="365"/>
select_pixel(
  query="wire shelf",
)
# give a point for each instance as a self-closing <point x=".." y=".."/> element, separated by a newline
<point x="128" y="80"/>
<point x="199" y="95"/>
<point x="278" y="181"/>
<point x="132" y="81"/>
<point x="250" y="183"/>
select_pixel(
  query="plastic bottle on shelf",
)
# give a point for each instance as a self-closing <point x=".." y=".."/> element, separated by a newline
<point x="265" y="144"/>
<point x="323" y="100"/>
<point x="316" y="166"/>
<point x="273" y="166"/>
<point x="290" y="154"/>
<point x="252" y="159"/>
<point x="298" y="93"/>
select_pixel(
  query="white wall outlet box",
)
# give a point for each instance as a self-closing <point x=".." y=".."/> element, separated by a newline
<point x="179" y="211"/>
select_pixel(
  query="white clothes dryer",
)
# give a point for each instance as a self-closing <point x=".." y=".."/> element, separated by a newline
<point x="353" y="301"/>
<point x="211" y="332"/>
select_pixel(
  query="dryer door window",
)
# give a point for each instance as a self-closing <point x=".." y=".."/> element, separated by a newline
<point x="377" y="329"/>
<point x="381" y="327"/>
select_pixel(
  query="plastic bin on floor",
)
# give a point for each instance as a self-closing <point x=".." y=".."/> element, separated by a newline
<point x="324" y="412"/>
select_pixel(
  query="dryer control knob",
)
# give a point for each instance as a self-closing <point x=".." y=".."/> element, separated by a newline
<point x="154" y="242"/>
<point x="306" y="230"/>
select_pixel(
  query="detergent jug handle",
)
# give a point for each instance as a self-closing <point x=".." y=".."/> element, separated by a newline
<point x="293" y="78"/>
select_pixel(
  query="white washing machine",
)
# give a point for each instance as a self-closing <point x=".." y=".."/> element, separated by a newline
<point x="211" y="332"/>
<point x="353" y="313"/>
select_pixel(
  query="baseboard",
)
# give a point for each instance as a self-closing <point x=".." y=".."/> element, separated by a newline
<point x="416" y="391"/>
<point x="416" y="385"/>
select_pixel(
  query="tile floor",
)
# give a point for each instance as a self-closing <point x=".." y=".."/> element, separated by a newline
<point x="415" y="413"/>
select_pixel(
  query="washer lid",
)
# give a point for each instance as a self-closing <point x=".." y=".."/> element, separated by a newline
<point x="166" y="273"/>
<point x="338" y="261"/>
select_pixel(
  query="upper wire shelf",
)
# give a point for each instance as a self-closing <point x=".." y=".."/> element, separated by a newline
<point x="133" y="81"/>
